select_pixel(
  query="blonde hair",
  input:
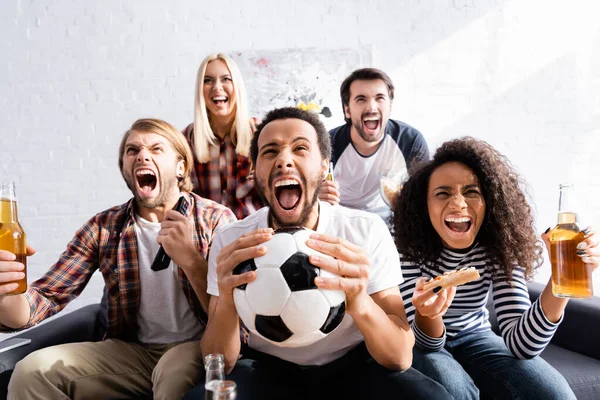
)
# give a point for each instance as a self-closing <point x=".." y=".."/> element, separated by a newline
<point x="173" y="136"/>
<point x="241" y="131"/>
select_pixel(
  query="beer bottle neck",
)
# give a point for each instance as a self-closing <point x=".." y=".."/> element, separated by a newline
<point x="567" y="213"/>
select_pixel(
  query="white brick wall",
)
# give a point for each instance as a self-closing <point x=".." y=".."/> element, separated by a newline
<point x="523" y="75"/>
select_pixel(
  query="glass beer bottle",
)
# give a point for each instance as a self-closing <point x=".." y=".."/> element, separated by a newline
<point x="226" y="390"/>
<point x="571" y="277"/>
<point x="12" y="236"/>
<point x="329" y="175"/>
<point x="214" y="365"/>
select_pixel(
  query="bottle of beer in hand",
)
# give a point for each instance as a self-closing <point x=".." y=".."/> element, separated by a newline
<point x="12" y="236"/>
<point x="329" y="176"/>
<point x="571" y="277"/>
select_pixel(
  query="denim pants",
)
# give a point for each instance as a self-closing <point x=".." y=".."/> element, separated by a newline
<point x="480" y="362"/>
<point x="356" y="375"/>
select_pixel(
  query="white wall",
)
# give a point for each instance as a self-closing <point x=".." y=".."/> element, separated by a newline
<point x="523" y="75"/>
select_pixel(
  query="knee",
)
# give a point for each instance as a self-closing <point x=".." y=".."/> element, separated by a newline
<point x="29" y="371"/>
<point x="175" y="381"/>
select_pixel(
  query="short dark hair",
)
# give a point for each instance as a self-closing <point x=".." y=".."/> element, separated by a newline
<point x="507" y="231"/>
<point x="293" y="113"/>
<point x="364" y="74"/>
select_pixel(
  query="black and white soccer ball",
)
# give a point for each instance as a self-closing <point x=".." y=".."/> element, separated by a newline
<point x="283" y="305"/>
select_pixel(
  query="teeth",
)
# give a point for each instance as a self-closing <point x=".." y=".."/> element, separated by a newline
<point x="462" y="219"/>
<point x="371" y="119"/>
<point x="144" y="172"/>
<point x="219" y="98"/>
<point x="285" y="182"/>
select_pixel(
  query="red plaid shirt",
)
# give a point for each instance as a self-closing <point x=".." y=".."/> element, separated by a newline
<point x="224" y="178"/>
<point x="108" y="242"/>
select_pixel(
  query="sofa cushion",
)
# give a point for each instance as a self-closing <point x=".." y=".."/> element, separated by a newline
<point x="581" y="372"/>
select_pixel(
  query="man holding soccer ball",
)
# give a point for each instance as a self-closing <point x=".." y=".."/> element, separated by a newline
<point x="370" y="353"/>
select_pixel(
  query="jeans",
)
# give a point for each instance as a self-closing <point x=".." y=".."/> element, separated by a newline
<point x="481" y="360"/>
<point x="356" y="375"/>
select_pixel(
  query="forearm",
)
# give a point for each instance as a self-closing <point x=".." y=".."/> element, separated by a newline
<point x="389" y="338"/>
<point x="197" y="275"/>
<point x="552" y="306"/>
<point x="433" y="328"/>
<point x="15" y="311"/>
<point x="223" y="334"/>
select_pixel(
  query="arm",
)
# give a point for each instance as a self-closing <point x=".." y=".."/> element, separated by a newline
<point x="14" y="310"/>
<point x="63" y="282"/>
<point x="430" y="306"/>
<point x="222" y="333"/>
<point x="380" y="317"/>
<point x="384" y="326"/>
<point x="424" y="309"/>
<point x="554" y="307"/>
<point x="176" y="238"/>
<point x="518" y="319"/>
<point x="540" y="320"/>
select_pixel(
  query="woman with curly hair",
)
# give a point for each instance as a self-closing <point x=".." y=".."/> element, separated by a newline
<point x="466" y="208"/>
<point x="220" y="137"/>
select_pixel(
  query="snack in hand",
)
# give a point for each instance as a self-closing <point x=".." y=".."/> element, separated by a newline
<point x="453" y="278"/>
<point x="389" y="190"/>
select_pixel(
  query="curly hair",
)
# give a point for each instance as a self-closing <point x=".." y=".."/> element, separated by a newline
<point x="507" y="231"/>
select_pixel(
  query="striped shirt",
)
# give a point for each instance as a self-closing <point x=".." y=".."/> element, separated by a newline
<point x="524" y="327"/>
<point x="224" y="178"/>
<point x="108" y="242"/>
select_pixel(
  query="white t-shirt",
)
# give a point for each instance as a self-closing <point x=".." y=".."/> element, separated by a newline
<point x="164" y="315"/>
<point x="356" y="226"/>
<point x="360" y="176"/>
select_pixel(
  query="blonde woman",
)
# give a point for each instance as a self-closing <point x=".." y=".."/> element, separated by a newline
<point x="220" y="137"/>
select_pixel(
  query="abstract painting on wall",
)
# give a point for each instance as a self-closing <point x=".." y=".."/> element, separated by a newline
<point x="306" y="78"/>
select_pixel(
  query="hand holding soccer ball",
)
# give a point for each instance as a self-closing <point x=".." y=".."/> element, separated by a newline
<point x="245" y="247"/>
<point x="283" y="304"/>
<point x="349" y="262"/>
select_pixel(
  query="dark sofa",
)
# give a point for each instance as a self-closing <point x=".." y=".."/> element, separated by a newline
<point x="574" y="350"/>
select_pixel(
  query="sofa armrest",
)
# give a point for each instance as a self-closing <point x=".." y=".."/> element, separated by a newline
<point x="580" y="328"/>
<point x="77" y="326"/>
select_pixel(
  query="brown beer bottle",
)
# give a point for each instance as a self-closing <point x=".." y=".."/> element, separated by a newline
<point x="571" y="277"/>
<point x="12" y="236"/>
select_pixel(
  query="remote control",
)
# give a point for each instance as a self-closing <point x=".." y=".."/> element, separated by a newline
<point x="162" y="259"/>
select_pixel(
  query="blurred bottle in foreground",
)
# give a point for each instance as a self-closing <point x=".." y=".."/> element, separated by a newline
<point x="215" y="374"/>
<point x="225" y="390"/>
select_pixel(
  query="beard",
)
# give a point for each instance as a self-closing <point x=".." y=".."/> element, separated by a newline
<point x="307" y="206"/>
<point x="364" y="135"/>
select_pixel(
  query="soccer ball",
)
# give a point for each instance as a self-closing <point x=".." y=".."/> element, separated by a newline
<point x="283" y="305"/>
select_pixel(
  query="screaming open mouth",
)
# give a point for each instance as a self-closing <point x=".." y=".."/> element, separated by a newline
<point x="146" y="181"/>
<point x="371" y="123"/>
<point x="288" y="193"/>
<point x="460" y="225"/>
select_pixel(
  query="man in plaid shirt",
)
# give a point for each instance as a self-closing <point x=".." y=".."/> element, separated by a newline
<point x="155" y="318"/>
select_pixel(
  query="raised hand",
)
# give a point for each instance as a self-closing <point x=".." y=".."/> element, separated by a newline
<point x="11" y="270"/>
<point x="329" y="192"/>
<point x="244" y="248"/>
<point x="588" y="249"/>
<point x="175" y="236"/>
<point x="431" y="303"/>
